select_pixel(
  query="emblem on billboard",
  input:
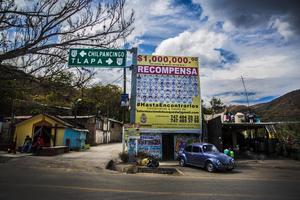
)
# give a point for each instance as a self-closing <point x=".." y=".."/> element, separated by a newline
<point x="143" y="118"/>
<point x="119" y="61"/>
<point x="73" y="53"/>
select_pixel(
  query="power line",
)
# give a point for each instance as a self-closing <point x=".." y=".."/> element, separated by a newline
<point x="118" y="79"/>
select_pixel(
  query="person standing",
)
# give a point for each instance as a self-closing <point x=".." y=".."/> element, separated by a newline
<point x="27" y="144"/>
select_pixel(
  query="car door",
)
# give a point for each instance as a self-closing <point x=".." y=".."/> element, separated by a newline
<point x="188" y="153"/>
<point x="197" y="156"/>
<point x="201" y="157"/>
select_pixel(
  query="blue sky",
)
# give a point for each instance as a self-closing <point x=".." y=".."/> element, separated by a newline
<point x="258" y="40"/>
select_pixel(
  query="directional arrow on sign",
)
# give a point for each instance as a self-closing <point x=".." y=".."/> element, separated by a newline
<point x="109" y="61"/>
<point x="82" y="53"/>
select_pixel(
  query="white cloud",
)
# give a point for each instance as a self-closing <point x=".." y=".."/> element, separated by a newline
<point x="157" y="18"/>
<point x="283" y="28"/>
<point x="200" y="43"/>
<point x="268" y="70"/>
<point x="158" y="7"/>
<point x="252" y="16"/>
<point x="144" y="12"/>
<point x="270" y="67"/>
<point x="228" y="26"/>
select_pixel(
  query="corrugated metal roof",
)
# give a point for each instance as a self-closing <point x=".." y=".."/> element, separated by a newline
<point x="57" y="119"/>
<point x="110" y="119"/>
<point x="50" y="116"/>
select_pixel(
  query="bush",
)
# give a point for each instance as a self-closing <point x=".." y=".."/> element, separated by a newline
<point x="124" y="156"/>
<point x="111" y="165"/>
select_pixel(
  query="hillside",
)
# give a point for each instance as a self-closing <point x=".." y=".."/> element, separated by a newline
<point x="284" y="108"/>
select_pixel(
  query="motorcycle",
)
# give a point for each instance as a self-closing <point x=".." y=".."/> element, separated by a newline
<point x="149" y="161"/>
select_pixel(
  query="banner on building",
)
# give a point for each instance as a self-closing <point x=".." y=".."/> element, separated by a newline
<point x="181" y="141"/>
<point x="132" y="133"/>
<point x="151" y="145"/>
<point x="168" y="92"/>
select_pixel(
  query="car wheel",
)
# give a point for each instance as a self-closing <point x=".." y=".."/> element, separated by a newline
<point x="230" y="169"/>
<point x="182" y="162"/>
<point x="209" y="167"/>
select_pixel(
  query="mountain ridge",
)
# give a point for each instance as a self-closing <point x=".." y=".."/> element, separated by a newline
<point x="283" y="108"/>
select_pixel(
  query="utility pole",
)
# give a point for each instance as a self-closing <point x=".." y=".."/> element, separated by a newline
<point x="134" y="52"/>
<point x="134" y="63"/>
<point x="12" y="142"/>
<point x="124" y="80"/>
<point x="76" y="108"/>
<point x="12" y="128"/>
<point x="246" y="93"/>
<point x="124" y="92"/>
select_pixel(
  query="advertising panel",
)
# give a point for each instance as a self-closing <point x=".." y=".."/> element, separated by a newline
<point x="150" y="144"/>
<point x="131" y="133"/>
<point x="181" y="141"/>
<point x="167" y="92"/>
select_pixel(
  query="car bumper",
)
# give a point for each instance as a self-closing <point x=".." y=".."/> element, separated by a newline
<point x="223" y="167"/>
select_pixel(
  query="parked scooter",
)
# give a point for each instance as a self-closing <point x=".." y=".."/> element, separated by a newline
<point x="149" y="161"/>
<point x="153" y="162"/>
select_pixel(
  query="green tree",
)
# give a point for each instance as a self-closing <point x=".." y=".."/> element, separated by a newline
<point x="217" y="105"/>
<point x="35" y="37"/>
<point x="101" y="99"/>
<point x="205" y="109"/>
<point x="34" y="42"/>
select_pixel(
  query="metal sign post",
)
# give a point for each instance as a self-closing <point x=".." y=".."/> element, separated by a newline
<point x="123" y="139"/>
<point x="105" y="58"/>
<point x="134" y="52"/>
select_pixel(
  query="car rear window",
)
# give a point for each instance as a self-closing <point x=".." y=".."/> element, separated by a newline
<point x="196" y="149"/>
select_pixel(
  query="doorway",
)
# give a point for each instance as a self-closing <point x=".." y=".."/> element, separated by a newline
<point x="44" y="132"/>
<point x="168" y="147"/>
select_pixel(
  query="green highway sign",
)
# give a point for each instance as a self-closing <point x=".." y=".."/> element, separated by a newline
<point x="97" y="58"/>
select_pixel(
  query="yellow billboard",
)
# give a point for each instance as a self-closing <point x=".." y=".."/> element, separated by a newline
<point x="167" y="92"/>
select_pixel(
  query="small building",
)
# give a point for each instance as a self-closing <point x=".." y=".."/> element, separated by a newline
<point x="101" y="129"/>
<point x="242" y="136"/>
<point x="53" y="130"/>
<point x="114" y="130"/>
<point x="161" y="145"/>
<point x="75" y="138"/>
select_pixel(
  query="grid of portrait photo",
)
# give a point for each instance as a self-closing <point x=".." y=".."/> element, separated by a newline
<point x="166" y="88"/>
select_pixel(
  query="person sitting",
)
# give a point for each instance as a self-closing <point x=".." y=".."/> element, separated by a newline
<point x="37" y="146"/>
<point x="227" y="151"/>
<point x="27" y="144"/>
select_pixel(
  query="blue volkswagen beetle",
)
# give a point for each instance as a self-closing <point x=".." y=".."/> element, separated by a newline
<point x="205" y="155"/>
